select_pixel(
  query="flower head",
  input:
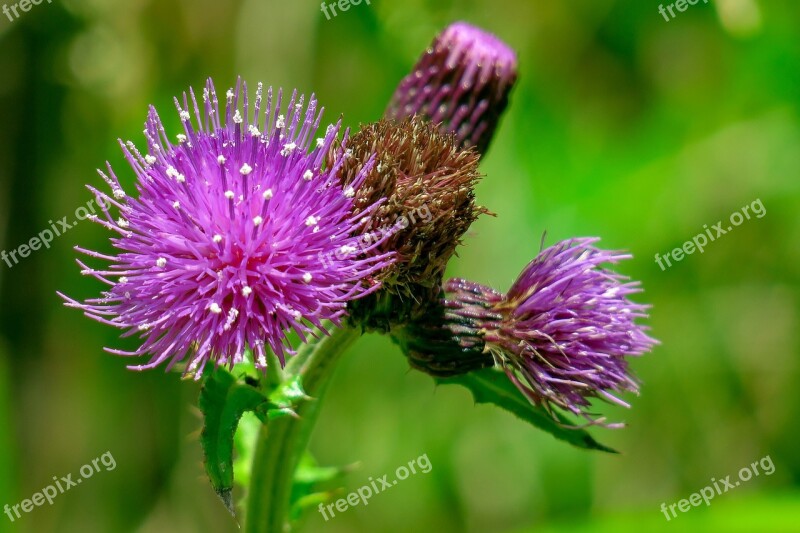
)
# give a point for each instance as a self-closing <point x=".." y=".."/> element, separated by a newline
<point x="462" y="82"/>
<point x="562" y="332"/>
<point x="219" y="248"/>
<point x="428" y="182"/>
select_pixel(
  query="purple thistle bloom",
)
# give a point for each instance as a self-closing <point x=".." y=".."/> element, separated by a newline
<point x="462" y="81"/>
<point x="220" y="248"/>
<point x="563" y="330"/>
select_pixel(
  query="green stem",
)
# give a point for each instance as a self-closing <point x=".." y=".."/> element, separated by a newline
<point x="282" y="442"/>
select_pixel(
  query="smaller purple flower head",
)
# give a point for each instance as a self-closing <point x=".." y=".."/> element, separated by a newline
<point x="562" y="333"/>
<point x="219" y="249"/>
<point x="461" y="82"/>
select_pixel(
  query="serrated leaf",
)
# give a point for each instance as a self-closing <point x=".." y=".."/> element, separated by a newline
<point x="308" y="477"/>
<point x="493" y="387"/>
<point x="223" y="400"/>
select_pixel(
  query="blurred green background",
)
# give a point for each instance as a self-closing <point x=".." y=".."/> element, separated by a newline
<point x="623" y="125"/>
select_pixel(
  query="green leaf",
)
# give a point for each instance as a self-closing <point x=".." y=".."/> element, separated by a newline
<point x="310" y="473"/>
<point x="493" y="387"/>
<point x="223" y="400"/>
<point x="306" y="490"/>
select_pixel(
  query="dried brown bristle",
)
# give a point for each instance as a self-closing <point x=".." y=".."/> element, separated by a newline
<point x="427" y="181"/>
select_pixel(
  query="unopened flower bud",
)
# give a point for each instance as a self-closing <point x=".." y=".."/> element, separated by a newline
<point x="461" y="82"/>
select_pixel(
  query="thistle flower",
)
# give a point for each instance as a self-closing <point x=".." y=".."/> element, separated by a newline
<point x="562" y="332"/>
<point x="428" y="183"/>
<point x="219" y="250"/>
<point x="461" y="82"/>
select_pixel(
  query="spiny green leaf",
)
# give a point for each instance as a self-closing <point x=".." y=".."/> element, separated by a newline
<point x="493" y="387"/>
<point x="223" y="400"/>
<point x="308" y="477"/>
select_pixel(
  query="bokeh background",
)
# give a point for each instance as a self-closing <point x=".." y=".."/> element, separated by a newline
<point x="623" y="125"/>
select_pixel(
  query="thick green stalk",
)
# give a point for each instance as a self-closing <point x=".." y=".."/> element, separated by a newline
<point x="282" y="442"/>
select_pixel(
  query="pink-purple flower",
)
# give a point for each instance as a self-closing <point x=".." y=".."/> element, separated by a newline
<point x="218" y="249"/>
<point x="563" y="332"/>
